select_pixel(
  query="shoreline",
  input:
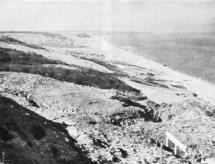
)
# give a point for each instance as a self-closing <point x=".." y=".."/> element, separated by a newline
<point x="203" y="88"/>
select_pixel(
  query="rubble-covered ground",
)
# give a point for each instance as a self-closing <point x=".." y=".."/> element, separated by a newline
<point x="73" y="98"/>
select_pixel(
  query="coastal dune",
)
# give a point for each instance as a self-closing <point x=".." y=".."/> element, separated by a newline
<point x="203" y="88"/>
<point x="109" y="104"/>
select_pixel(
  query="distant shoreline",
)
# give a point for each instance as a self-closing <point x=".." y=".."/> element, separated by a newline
<point x="203" y="88"/>
<point x="192" y="55"/>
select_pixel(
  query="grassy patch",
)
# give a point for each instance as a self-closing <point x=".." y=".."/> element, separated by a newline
<point x="11" y="56"/>
<point x="18" y="61"/>
<point x="11" y="40"/>
<point x="109" y="66"/>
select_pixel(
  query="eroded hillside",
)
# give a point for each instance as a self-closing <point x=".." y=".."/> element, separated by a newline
<point x="94" y="103"/>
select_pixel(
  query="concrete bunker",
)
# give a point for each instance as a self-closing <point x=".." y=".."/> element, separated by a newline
<point x="177" y="146"/>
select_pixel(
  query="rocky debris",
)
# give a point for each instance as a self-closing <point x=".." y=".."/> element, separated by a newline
<point x="129" y="96"/>
<point x="186" y="110"/>
<point x="103" y="147"/>
<point x="108" y="119"/>
<point x="147" y="112"/>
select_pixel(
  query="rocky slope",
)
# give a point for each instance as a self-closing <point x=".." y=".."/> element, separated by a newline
<point x="94" y="103"/>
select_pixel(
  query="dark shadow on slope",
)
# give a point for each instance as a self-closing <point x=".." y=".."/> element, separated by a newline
<point x="127" y="102"/>
<point x="109" y="66"/>
<point x="47" y="34"/>
<point x="83" y="35"/>
<point x="128" y="117"/>
<point x="18" y="61"/>
<point x="11" y="40"/>
<point x="11" y="56"/>
<point x="28" y="138"/>
<point x="147" y="112"/>
<point x="150" y="81"/>
<point x="5" y="135"/>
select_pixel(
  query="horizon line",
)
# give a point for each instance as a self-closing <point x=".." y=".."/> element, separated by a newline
<point x="84" y="31"/>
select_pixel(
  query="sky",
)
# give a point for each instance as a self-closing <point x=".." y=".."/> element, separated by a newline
<point x="108" y="15"/>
